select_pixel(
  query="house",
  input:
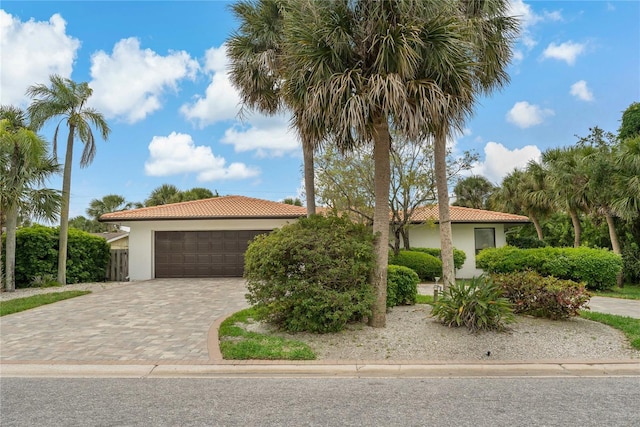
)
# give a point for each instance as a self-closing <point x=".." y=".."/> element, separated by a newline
<point x="208" y="238"/>
<point x="116" y="240"/>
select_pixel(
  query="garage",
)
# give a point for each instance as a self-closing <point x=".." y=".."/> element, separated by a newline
<point x="201" y="253"/>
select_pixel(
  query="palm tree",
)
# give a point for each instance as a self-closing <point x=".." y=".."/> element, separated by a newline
<point x="67" y="100"/>
<point x="255" y="50"/>
<point x="473" y="192"/>
<point x="364" y="68"/>
<point x="25" y="166"/>
<point x="163" y="195"/>
<point x="109" y="203"/>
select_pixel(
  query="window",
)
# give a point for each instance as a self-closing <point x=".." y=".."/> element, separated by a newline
<point x="485" y="238"/>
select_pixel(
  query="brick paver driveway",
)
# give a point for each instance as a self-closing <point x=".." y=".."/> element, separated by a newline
<point x="161" y="319"/>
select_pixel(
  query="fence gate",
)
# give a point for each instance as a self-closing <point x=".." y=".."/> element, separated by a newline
<point x="118" y="268"/>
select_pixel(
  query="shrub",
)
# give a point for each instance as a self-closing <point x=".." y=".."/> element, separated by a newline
<point x="596" y="267"/>
<point x="37" y="256"/>
<point x="525" y="242"/>
<point x="478" y="305"/>
<point x="312" y="275"/>
<point x="459" y="257"/>
<point x="402" y="286"/>
<point x="540" y="296"/>
<point x="426" y="266"/>
<point x="631" y="263"/>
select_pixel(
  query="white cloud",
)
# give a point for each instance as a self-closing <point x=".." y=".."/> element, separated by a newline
<point x="129" y="83"/>
<point x="31" y="52"/>
<point x="525" y="115"/>
<point x="221" y="101"/>
<point x="178" y="154"/>
<point x="528" y="19"/>
<point x="567" y="51"/>
<point x="273" y="140"/>
<point x="499" y="160"/>
<point x="581" y="91"/>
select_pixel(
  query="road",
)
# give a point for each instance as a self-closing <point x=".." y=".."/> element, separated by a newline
<point x="604" y="401"/>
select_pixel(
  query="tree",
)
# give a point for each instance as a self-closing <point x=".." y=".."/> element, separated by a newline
<point x="25" y="165"/>
<point x="473" y="192"/>
<point x="345" y="182"/>
<point x="85" y="224"/>
<point x="198" y="193"/>
<point x="255" y="51"/>
<point x="163" y="195"/>
<point x="67" y="100"/>
<point x="292" y="201"/>
<point x="109" y="203"/>
<point x="365" y="68"/>
<point x="630" y="122"/>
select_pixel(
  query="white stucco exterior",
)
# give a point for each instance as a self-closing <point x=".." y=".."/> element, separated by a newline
<point x="428" y="236"/>
<point x="141" y="237"/>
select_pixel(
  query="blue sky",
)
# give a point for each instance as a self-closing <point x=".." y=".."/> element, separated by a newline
<point x="157" y="69"/>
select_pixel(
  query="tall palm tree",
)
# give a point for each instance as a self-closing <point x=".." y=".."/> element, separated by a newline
<point x="25" y="166"/>
<point x="67" y="100"/>
<point x="473" y="192"/>
<point x="163" y="195"/>
<point x="255" y="50"/>
<point x="412" y="66"/>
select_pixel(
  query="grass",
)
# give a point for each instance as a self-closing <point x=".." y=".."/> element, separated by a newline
<point x="22" y="304"/>
<point x="424" y="299"/>
<point x="237" y="343"/>
<point x="628" y="325"/>
<point x="628" y="292"/>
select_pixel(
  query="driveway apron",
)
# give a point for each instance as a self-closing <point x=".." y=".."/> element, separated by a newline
<point x="161" y="319"/>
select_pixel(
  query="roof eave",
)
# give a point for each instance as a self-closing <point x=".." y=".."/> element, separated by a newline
<point x="190" y="218"/>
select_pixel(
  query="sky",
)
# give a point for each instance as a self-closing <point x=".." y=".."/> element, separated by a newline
<point x="158" y="74"/>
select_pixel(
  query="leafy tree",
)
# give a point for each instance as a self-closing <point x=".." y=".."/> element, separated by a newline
<point x="25" y="165"/>
<point x="630" y="123"/>
<point x="163" y="195"/>
<point x="85" y="224"/>
<point x="257" y="70"/>
<point x="67" y="100"/>
<point x="473" y="192"/>
<point x="292" y="201"/>
<point x="109" y="203"/>
<point x="198" y="193"/>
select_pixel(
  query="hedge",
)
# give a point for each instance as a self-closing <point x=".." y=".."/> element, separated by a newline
<point x="37" y="255"/>
<point x="459" y="257"/>
<point x="596" y="267"/>
<point x="402" y="286"/>
<point x="426" y="266"/>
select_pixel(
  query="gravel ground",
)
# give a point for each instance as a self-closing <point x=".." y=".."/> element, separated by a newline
<point x="411" y="334"/>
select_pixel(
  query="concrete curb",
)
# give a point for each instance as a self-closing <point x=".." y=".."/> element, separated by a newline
<point x="304" y="370"/>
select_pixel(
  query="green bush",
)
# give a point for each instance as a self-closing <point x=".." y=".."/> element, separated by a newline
<point x="402" y="286"/>
<point x="312" y="275"/>
<point x="478" y="305"/>
<point x="37" y="256"/>
<point x="459" y="257"/>
<point x="596" y="267"/>
<point x="426" y="266"/>
<point x="541" y="296"/>
<point x="631" y="263"/>
<point x="525" y="242"/>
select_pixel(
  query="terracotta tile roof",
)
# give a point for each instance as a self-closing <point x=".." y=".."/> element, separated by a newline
<point x="461" y="215"/>
<point x="217" y="207"/>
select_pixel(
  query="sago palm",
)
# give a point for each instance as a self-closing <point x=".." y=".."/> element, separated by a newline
<point x="66" y="100"/>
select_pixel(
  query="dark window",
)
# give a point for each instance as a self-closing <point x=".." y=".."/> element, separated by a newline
<point x="485" y="238"/>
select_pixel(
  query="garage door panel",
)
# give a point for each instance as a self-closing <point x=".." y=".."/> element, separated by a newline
<point x="201" y="253"/>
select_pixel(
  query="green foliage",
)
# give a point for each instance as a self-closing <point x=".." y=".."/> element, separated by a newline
<point x="402" y="286"/>
<point x="459" y="257"/>
<point x="596" y="267"/>
<point x="237" y="343"/>
<point x="37" y="255"/>
<point x="478" y="305"/>
<point x="631" y="262"/>
<point x="312" y="275"/>
<point x="427" y="266"/>
<point x="541" y="296"/>
<point x="525" y="242"/>
<point x="21" y="304"/>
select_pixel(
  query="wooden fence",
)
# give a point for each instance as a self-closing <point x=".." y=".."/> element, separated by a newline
<point x="118" y="268"/>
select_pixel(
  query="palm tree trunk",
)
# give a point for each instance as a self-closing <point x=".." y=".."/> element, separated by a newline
<point x="1" y="268"/>
<point x="536" y="224"/>
<point x="446" y="235"/>
<point x="382" y="165"/>
<point x="615" y="244"/>
<point x="309" y="177"/>
<point x="10" y="256"/>
<point x="64" y="209"/>
<point x="577" y="228"/>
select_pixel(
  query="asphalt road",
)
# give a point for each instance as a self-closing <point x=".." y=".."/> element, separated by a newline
<point x="477" y="402"/>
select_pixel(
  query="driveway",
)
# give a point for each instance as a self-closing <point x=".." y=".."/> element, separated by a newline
<point x="155" y="320"/>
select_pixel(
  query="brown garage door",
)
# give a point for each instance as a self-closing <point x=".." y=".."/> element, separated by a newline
<point x="201" y="253"/>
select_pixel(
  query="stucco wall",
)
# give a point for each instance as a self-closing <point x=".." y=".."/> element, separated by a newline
<point x="141" y="238"/>
<point x="428" y="236"/>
